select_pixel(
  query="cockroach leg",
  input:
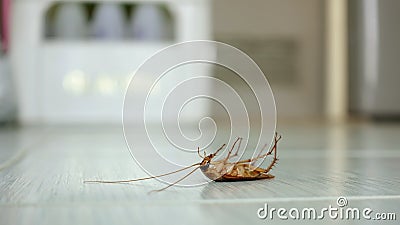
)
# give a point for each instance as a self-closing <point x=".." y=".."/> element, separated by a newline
<point x="233" y="146"/>
<point x="216" y="152"/>
<point x="238" y="148"/>
<point x="274" y="149"/>
<point x="274" y="160"/>
<point x="277" y="138"/>
<point x="271" y="165"/>
<point x="262" y="150"/>
<point x="198" y="152"/>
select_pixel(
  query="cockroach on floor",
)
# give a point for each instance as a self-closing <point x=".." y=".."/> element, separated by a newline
<point x="222" y="170"/>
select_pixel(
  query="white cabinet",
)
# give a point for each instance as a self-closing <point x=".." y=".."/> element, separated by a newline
<point x="64" y="81"/>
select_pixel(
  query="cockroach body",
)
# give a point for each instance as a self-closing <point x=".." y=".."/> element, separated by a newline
<point x="223" y="170"/>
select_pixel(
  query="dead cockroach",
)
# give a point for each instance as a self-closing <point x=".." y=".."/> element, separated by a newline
<point x="222" y="170"/>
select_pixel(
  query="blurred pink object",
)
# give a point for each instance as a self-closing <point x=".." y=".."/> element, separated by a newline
<point x="6" y="4"/>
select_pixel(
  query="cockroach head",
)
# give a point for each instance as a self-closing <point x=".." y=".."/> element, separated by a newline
<point x="207" y="159"/>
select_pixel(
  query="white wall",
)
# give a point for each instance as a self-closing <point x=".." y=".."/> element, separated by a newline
<point x="298" y="21"/>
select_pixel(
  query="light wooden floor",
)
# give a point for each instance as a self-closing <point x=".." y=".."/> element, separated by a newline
<point x="42" y="171"/>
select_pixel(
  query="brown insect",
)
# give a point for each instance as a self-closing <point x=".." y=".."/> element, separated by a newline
<point x="222" y="170"/>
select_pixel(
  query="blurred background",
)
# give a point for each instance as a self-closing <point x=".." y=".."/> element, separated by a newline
<point x="69" y="62"/>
